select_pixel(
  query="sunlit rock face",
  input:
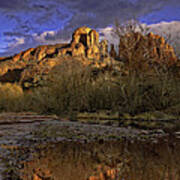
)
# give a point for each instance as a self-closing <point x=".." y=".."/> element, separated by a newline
<point x="85" y="42"/>
<point x="88" y="37"/>
<point x="29" y="57"/>
<point x="104" y="48"/>
<point x="150" y="47"/>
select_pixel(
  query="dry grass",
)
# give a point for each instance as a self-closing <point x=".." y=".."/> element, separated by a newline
<point x="10" y="97"/>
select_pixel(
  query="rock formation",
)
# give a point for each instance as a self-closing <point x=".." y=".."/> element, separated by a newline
<point x="104" y="48"/>
<point x="150" y="47"/>
<point x="34" y="61"/>
<point x="85" y="42"/>
<point x="113" y="53"/>
<point x="30" y="64"/>
<point x="86" y="48"/>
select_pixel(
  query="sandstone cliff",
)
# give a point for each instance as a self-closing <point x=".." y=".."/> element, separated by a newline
<point x="29" y="64"/>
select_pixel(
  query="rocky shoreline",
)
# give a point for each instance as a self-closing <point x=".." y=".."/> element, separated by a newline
<point x="28" y="131"/>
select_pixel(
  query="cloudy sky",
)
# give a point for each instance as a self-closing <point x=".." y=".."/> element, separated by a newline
<point x="28" y="23"/>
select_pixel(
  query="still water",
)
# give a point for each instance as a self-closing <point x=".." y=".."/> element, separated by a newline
<point x="105" y="160"/>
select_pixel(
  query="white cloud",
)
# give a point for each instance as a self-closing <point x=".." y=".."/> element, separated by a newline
<point x="42" y="38"/>
<point x="18" y="42"/>
<point x="49" y="37"/>
<point x="172" y="27"/>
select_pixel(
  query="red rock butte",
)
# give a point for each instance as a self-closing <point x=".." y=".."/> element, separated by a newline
<point x="86" y="47"/>
<point x="85" y="43"/>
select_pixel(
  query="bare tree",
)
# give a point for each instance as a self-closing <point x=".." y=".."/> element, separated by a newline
<point x="129" y="34"/>
<point x="139" y="49"/>
<point x="130" y="26"/>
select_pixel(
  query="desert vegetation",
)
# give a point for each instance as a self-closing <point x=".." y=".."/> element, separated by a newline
<point x="142" y="77"/>
<point x="72" y="88"/>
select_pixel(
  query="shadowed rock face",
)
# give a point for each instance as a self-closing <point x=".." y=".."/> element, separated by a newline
<point x="151" y="46"/>
<point x="113" y="53"/>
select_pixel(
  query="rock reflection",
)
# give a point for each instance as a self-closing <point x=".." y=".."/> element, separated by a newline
<point x="106" y="161"/>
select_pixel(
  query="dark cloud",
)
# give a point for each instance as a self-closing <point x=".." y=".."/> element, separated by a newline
<point x="107" y="11"/>
<point x="12" y="34"/>
<point x="13" y="5"/>
<point x="63" y="16"/>
<point x="104" y="11"/>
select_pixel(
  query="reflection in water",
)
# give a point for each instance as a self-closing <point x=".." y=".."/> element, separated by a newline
<point x="101" y="160"/>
